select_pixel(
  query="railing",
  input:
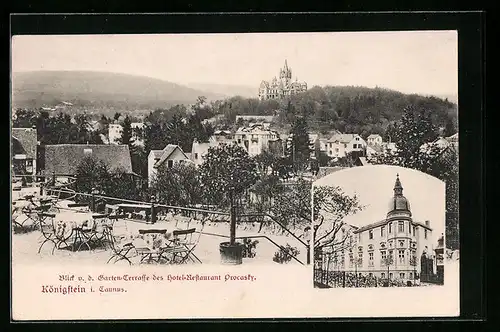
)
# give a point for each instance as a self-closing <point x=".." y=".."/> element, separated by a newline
<point x="155" y="208"/>
<point x="432" y="278"/>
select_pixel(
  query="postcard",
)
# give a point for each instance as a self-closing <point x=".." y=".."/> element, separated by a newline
<point x="249" y="175"/>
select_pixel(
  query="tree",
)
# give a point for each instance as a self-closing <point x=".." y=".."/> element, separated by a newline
<point x="24" y="118"/>
<point x="122" y="185"/>
<point x="95" y="173"/>
<point x="226" y="172"/>
<point x="117" y="116"/>
<point x="330" y="208"/>
<point x="292" y="205"/>
<point x="414" y="263"/>
<point x="388" y="261"/>
<point x="450" y="127"/>
<point x="299" y="148"/>
<point x="414" y="135"/>
<point x="92" y="173"/>
<point x="265" y="161"/>
<point x="126" y="137"/>
<point x="178" y="186"/>
<point x="265" y="191"/>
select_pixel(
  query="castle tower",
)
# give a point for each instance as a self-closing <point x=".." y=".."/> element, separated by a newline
<point x="286" y="74"/>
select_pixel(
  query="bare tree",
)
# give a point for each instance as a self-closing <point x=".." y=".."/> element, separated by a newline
<point x="331" y="206"/>
<point x="387" y="261"/>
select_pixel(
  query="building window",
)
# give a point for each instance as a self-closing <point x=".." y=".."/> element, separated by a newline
<point x="390" y="227"/>
<point x="196" y="155"/>
<point x="382" y="275"/>
<point x="401" y="256"/>
<point x="402" y="275"/>
<point x="170" y="163"/>
<point x="411" y="275"/>
<point x="370" y="274"/>
<point x="383" y="254"/>
<point x="390" y="275"/>
<point x="401" y="227"/>
<point x="370" y="235"/>
<point x="425" y="234"/>
<point x="382" y="231"/>
<point x="370" y="258"/>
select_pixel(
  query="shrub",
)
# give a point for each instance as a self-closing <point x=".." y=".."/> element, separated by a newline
<point x="285" y="254"/>
<point x="249" y="248"/>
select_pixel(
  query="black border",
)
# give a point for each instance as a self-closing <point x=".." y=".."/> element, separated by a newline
<point x="470" y="26"/>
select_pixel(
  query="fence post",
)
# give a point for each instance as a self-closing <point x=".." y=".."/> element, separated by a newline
<point x="153" y="212"/>
<point x="308" y="254"/>
<point x="93" y="192"/>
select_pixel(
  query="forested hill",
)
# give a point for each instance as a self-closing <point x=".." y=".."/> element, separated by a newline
<point x="346" y="108"/>
<point x="99" y="91"/>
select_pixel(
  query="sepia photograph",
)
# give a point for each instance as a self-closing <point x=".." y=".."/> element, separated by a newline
<point x="374" y="228"/>
<point x="322" y="160"/>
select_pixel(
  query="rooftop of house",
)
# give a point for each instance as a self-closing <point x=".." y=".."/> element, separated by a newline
<point x="63" y="159"/>
<point x="255" y="117"/>
<point x="156" y="153"/>
<point x="167" y="152"/>
<point x="375" y="147"/>
<point x="25" y="141"/>
<point x="342" y="138"/>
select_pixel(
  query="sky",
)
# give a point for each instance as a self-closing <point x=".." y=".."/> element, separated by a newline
<point x="424" y="62"/>
<point x="374" y="187"/>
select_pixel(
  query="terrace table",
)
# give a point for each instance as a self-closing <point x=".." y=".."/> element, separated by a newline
<point x="22" y="211"/>
<point x="150" y="240"/>
<point x="80" y="226"/>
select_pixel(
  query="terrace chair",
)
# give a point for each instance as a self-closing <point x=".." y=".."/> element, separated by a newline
<point x="151" y="252"/>
<point x="120" y="245"/>
<point x="49" y="232"/>
<point x="183" y="245"/>
<point x="99" y="230"/>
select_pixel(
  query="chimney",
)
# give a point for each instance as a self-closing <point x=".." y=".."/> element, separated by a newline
<point x="427" y="223"/>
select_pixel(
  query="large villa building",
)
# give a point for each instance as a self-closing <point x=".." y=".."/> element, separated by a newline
<point x="389" y="248"/>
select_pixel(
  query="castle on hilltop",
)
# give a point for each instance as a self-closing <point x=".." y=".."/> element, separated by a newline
<point x="282" y="87"/>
